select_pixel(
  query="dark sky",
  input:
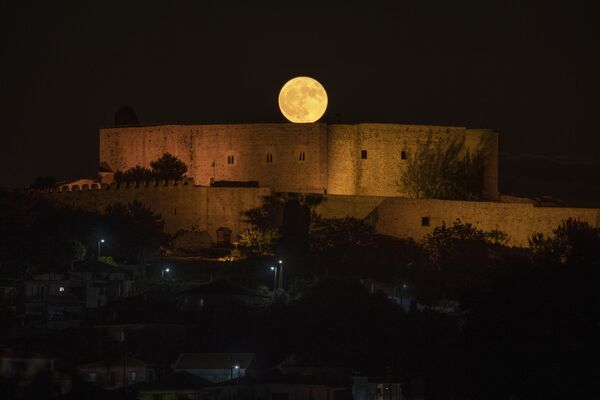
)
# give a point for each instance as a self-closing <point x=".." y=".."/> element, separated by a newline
<point x="528" y="71"/>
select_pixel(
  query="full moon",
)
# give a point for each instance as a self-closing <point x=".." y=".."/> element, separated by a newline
<point x="302" y="99"/>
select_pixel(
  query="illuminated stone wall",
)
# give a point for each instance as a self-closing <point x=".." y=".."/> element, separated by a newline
<point x="298" y="162"/>
<point x="181" y="206"/>
<point x="332" y="160"/>
<point x="403" y="217"/>
<point x="379" y="173"/>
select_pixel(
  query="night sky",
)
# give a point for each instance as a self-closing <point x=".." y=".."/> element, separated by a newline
<point x="528" y="71"/>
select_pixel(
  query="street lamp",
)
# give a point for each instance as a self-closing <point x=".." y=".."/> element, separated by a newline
<point x="281" y="274"/>
<point x="162" y="272"/>
<point x="99" y="244"/>
<point x="274" y="277"/>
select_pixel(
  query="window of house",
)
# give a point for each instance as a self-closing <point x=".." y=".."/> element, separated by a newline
<point x="424" y="221"/>
<point x="269" y="158"/>
<point x="363" y="154"/>
<point x="92" y="377"/>
<point x="133" y="376"/>
<point x="174" y="211"/>
<point x="230" y="160"/>
<point x="302" y="156"/>
<point x="403" y="155"/>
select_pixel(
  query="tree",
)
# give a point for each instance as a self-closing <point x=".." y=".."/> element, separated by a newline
<point x="261" y="238"/>
<point x="135" y="174"/>
<point x="44" y="182"/>
<point x="138" y="231"/>
<point x="574" y="243"/>
<point x="168" y="167"/>
<point x="444" y="170"/>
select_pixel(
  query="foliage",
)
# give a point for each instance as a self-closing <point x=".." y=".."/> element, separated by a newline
<point x="444" y="170"/>
<point x="138" y="231"/>
<point x="44" y="182"/>
<point x="575" y="243"/>
<point x="260" y="238"/>
<point x="108" y="260"/>
<point x="168" y="167"/>
<point x="331" y="233"/>
<point x="135" y="174"/>
<point x="458" y="257"/>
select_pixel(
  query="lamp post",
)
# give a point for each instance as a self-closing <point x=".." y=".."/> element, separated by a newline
<point x="99" y="246"/>
<point x="274" y="277"/>
<point x="162" y="272"/>
<point x="280" y="274"/>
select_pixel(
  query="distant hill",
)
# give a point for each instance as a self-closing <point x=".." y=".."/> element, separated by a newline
<point x="576" y="182"/>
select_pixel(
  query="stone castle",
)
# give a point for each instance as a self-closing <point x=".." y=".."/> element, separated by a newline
<point x="354" y="169"/>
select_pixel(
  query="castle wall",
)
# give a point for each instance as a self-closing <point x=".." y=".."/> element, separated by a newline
<point x="298" y="161"/>
<point x="379" y="173"/>
<point x="181" y="206"/>
<point x="403" y="217"/>
<point x="313" y="158"/>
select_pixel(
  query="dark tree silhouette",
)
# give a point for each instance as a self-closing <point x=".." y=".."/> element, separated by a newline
<point x="138" y="231"/>
<point x="135" y="174"/>
<point x="168" y="167"/>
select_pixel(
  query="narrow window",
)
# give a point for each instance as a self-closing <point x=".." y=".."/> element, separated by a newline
<point x="363" y="154"/>
<point x="174" y="211"/>
<point x="269" y="158"/>
<point x="403" y="155"/>
<point x="424" y="221"/>
<point x="302" y="156"/>
<point x="230" y="160"/>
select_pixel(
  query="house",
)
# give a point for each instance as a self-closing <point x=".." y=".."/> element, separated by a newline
<point x="22" y="367"/>
<point x="215" y="367"/>
<point x="104" y="283"/>
<point x="113" y="373"/>
<point x="52" y="301"/>
<point x="275" y="387"/>
<point x="178" y="385"/>
<point x="221" y="294"/>
<point x="376" y="388"/>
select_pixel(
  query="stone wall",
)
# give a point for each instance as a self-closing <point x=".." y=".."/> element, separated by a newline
<point x="350" y="173"/>
<point x="404" y="217"/>
<point x="182" y="206"/>
<point x="315" y="158"/>
<point x="297" y="162"/>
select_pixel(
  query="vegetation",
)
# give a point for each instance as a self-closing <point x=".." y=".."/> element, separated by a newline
<point x="166" y="167"/>
<point x="261" y="239"/>
<point x="444" y="169"/>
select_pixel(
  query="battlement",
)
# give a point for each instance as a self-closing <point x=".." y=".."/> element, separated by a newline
<point x="154" y="183"/>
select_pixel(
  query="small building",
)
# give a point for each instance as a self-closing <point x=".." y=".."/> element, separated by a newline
<point x="215" y="367"/>
<point x="113" y="373"/>
<point x="178" y="385"/>
<point x="376" y="388"/>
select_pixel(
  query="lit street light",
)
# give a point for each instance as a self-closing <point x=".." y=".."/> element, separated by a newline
<point x="162" y="272"/>
<point x="274" y="277"/>
<point x="99" y="245"/>
<point x="281" y="274"/>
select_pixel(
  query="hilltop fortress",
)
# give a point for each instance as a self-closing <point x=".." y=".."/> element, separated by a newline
<point x="355" y="170"/>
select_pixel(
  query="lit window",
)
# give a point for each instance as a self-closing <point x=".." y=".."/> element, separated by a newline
<point x="302" y="156"/>
<point x="61" y="289"/>
<point x="363" y="154"/>
<point x="230" y="160"/>
<point x="424" y="221"/>
<point x="403" y="155"/>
